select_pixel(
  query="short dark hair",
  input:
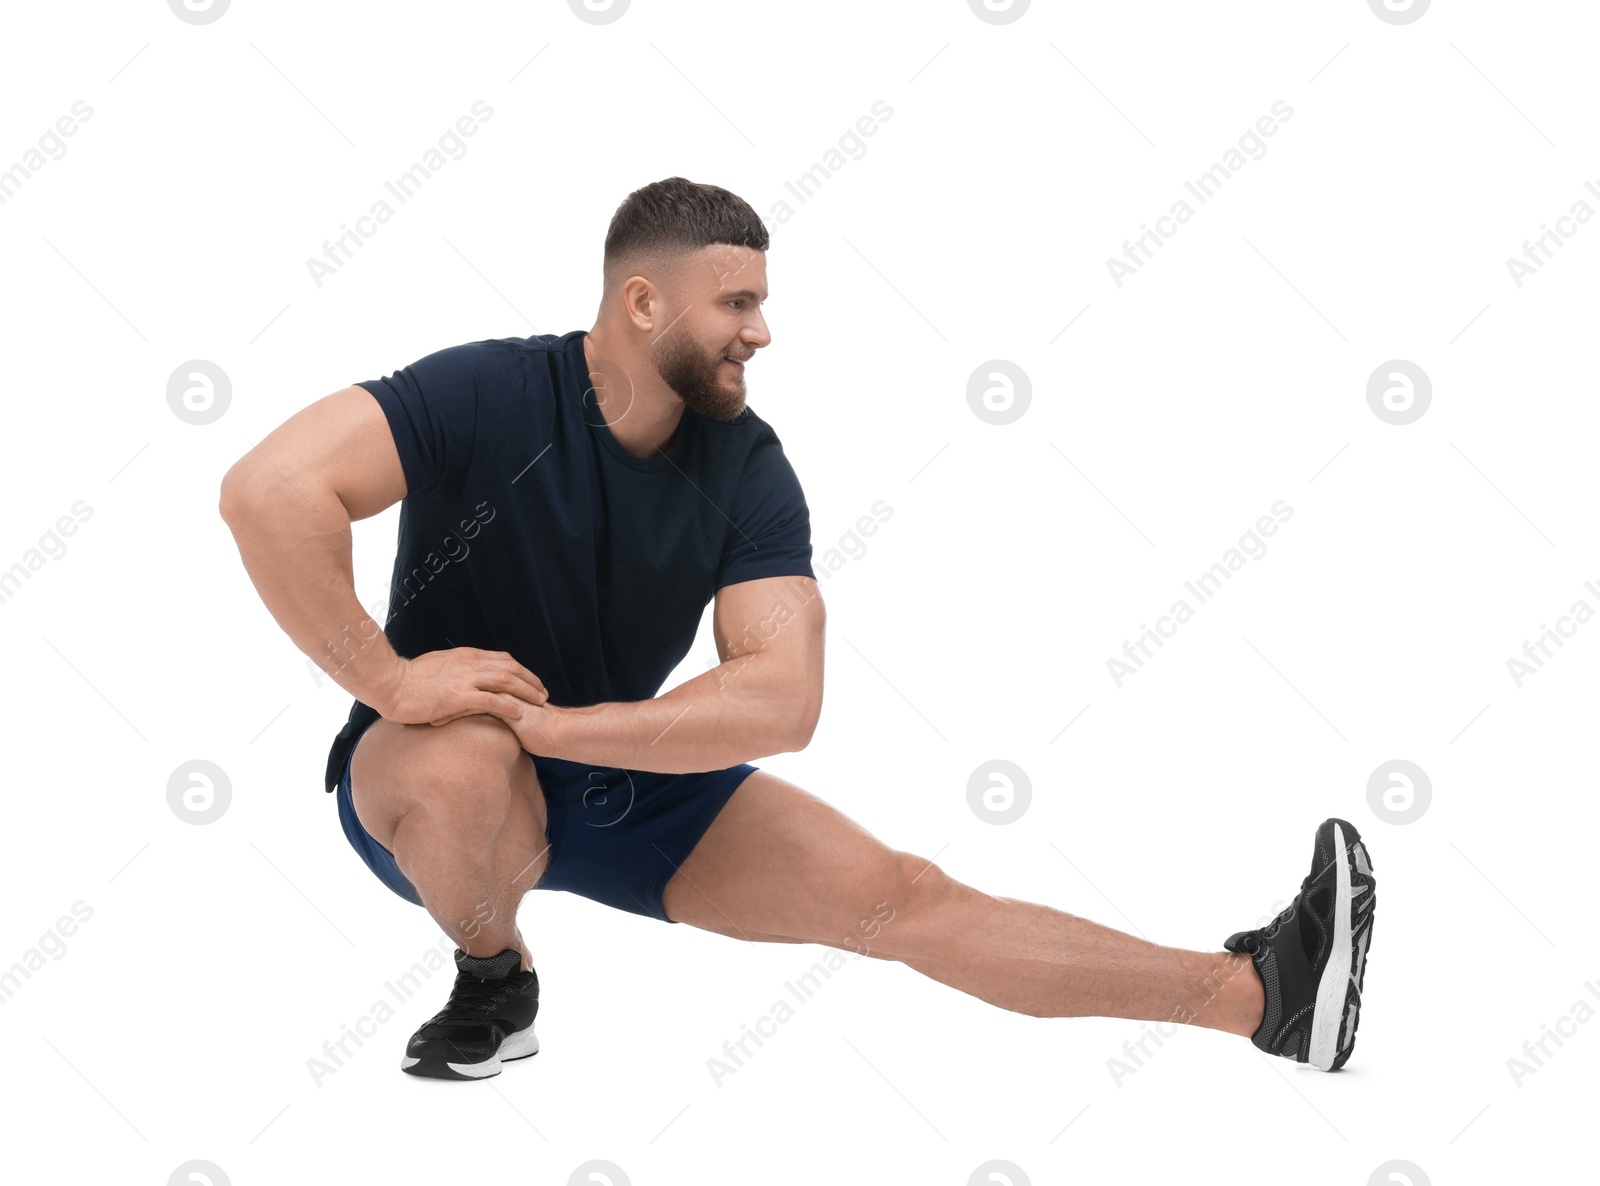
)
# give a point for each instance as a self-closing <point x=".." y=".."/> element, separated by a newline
<point x="674" y="216"/>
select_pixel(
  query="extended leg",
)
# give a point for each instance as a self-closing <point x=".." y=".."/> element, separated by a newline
<point x="780" y="864"/>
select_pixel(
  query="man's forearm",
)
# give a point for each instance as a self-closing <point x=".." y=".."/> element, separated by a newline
<point x="295" y="545"/>
<point x="746" y="708"/>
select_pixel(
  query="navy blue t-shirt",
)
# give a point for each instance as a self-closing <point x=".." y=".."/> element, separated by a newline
<point x="528" y="528"/>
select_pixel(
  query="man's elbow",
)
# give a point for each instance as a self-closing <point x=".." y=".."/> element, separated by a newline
<point x="803" y="717"/>
<point x="235" y="492"/>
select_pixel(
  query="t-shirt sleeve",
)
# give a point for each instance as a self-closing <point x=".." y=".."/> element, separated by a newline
<point x="769" y="534"/>
<point x="447" y="413"/>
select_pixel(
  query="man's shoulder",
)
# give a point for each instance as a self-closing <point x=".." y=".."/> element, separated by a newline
<point x="754" y="454"/>
<point x="485" y="355"/>
<point x="512" y="347"/>
<point x="742" y="447"/>
<point x="505" y="367"/>
<point x="536" y="342"/>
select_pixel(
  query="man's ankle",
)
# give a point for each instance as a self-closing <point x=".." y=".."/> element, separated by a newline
<point x="1224" y="993"/>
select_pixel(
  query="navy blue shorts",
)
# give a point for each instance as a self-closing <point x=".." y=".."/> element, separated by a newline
<point x="616" y="836"/>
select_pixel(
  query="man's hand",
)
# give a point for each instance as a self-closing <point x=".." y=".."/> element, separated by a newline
<point x="440" y="686"/>
<point x="536" y="728"/>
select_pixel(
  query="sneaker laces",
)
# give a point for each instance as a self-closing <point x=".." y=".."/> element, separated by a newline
<point x="1270" y="931"/>
<point x="474" y="997"/>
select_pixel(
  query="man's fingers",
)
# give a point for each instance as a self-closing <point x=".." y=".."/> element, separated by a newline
<point x="521" y="672"/>
<point x="507" y="707"/>
<point x="507" y="681"/>
<point x="503" y="673"/>
<point x="481" y="702"/>
<point x="509" y="677"/>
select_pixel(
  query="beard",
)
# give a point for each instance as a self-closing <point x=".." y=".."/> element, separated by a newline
<point x="697" y="378"/>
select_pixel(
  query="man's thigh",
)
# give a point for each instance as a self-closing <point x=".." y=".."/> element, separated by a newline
<point x="780" y="865"/>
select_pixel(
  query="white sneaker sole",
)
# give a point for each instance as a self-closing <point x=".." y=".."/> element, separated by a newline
<point x="1333" y="988"/>
<point x="519" y="1045"/>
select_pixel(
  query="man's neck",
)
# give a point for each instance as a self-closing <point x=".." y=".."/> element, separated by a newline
<point x="642" y="413"/>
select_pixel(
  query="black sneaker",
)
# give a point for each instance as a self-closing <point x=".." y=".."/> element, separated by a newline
<point x="1312" y="956"/>
<point x="487" y="1021"/>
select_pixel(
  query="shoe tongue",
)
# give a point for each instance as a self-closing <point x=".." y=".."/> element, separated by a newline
<point x="490" y="967"/>
<point x="1318" y="905"/>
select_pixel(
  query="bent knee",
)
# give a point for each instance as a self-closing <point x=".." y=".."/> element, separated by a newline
<point x="466" y="764"/>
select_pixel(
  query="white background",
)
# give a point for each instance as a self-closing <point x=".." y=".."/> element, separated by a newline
<point x="1228" y="373"/>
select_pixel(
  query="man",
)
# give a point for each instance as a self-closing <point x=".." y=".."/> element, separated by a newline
<point x="571" y="504"/>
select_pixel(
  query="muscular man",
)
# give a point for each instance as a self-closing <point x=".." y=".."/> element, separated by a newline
<point x="571" y="504"/>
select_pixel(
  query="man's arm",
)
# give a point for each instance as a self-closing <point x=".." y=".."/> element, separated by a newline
<point x="289" y="503"/>
<point x="763" y="699"/>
